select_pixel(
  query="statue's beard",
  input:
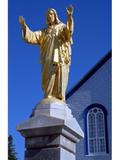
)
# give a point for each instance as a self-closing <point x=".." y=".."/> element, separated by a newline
<point x="51" y="22"/>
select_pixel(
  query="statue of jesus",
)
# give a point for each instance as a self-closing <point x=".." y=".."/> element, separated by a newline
<point x="55" y="51"/>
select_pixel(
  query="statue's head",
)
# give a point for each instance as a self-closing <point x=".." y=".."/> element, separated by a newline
<point x="52" y="17"/>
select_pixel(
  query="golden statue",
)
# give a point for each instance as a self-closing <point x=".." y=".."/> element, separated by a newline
<point x="55" y="51"/>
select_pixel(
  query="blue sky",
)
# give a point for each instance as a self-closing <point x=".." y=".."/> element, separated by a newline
<point x="92" y="40"/>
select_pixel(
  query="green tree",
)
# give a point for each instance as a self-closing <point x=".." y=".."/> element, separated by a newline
<point x="11" y="149"/>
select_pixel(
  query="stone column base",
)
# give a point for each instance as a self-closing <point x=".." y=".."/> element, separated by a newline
<point x="55" y="153"/>
<point x="51" y="133"/>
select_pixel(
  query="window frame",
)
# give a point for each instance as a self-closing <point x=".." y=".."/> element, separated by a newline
<point x="96" y="138"/>
<point x="85" y="114"/>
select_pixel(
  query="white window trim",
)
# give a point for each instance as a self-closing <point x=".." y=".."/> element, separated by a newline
<point x="96" y="153"/>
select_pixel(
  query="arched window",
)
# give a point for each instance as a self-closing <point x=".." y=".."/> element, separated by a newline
<point x="96" y="131"/>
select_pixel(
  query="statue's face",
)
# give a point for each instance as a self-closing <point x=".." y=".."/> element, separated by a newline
<point x="51" y="17"/>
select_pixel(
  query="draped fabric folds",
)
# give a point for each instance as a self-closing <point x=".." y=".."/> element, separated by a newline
<point x="55" y="56"/>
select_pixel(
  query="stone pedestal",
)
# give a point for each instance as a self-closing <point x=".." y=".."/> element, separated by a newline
<point x="51" y="133"/>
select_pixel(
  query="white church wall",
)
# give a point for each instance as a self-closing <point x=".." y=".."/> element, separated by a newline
<point x="97" y="89"/>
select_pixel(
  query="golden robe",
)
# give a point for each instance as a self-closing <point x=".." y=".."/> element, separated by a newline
<point x="55" y="57"/>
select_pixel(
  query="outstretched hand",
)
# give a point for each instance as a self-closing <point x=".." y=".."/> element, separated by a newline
<point x="70" y="10"/>
<point x="21" y="20"/>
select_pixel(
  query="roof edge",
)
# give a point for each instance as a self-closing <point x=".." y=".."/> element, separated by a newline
<point x="90" y="73"/>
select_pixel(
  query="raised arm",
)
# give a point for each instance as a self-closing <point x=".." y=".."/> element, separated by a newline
<point x="27" y="34"/>
<point x="70" y="24"/>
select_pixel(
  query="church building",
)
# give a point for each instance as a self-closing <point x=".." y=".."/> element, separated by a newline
<point x="90" y="102"/>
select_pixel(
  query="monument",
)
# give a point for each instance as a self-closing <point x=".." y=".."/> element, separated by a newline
<point x="51" y="133"/>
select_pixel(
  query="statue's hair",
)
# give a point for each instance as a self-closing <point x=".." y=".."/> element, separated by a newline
<point x="55" y="14"/>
